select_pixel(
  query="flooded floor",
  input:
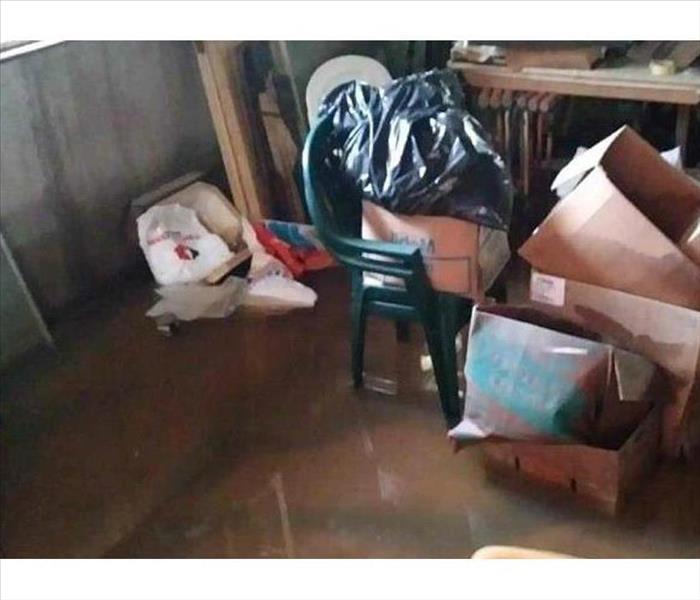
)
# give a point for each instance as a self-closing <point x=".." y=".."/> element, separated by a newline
<point x="244" y="438"/>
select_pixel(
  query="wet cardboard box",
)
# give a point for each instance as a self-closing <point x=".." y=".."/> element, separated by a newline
<point x="621" y="254"/>
<point x="666" y="334"/>
<point x="605" y="479"/>
<point x="460" y="257"/>
<point x="526" y="357"/>
<point x="629" y="224"/>
<point x="533" y="377"/>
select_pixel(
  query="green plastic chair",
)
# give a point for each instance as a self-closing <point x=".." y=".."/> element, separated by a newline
<point x="441" y="314"/>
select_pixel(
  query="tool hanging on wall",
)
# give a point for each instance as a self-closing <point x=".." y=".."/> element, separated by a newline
<point x="524" y="120"/>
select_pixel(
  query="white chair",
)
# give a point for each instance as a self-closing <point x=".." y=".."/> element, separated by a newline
<point x="340" y="70"/>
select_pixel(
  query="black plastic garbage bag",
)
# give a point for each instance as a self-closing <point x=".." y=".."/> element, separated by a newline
<point x="413" y="149"/>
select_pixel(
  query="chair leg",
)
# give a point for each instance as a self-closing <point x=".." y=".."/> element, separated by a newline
<point x="359" y="325"/>
<point x="448" y="331"/>
<point x="403" y="331"/>
<point x="444" y="367"/>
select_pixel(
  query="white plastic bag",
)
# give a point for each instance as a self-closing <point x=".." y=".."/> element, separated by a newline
<point x="213" y="210"/>
<point x="178" y="248"/>
<point x="275" y="291"/>
<point x="196" y="301"/>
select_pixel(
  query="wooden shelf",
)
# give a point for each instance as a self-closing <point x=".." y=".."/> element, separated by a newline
<point x="620" y="81"/>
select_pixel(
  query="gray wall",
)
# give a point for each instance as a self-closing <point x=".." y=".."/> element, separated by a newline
<point x="85" y="128"/>
<point x="21" y="327"/>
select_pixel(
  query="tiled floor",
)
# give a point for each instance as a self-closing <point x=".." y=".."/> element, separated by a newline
<point x="244" y="438"/>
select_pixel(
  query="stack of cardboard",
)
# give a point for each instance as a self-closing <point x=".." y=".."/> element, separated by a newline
<point x="620" y="255"/>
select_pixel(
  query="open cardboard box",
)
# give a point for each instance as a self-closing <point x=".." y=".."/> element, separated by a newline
<point x="666" y="334"/>
<point x="600" y="477"/>
<point x="460" y="257"/>
<point x="627" y="225"/>
<point x="529" y="353"/>
<point x="533" y="377"/>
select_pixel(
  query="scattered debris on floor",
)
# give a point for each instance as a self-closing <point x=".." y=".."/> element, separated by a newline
<point x="209" y="259"/>
<point x="251" y="437"/>
<point x="575" y="400"/>
<point x="197" y="301"/>
<point x="617" y="258"/>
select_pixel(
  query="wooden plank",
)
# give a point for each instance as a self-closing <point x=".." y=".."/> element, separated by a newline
<point x="219" y="58"/>
<point x="22" y="327"/>
<point x="283" y="64"/>
<point x="236" y="137"/>
<point x="621" y="83"/>
<point x="222" y="133"/>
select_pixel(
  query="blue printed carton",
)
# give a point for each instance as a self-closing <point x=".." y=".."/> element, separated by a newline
<point x="531" y="377"/>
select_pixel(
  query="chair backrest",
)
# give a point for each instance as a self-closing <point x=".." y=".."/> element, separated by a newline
<point x="338" y="220"/>
<point x="340" y="70"/>
<point x="332" y="217"/>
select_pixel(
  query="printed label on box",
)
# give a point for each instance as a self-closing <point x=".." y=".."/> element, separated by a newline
<point x="547" y="289"/>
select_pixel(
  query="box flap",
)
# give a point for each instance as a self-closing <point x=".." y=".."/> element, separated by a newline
<point x="595" y="235"/>
<point x="585" y="161"/>
<point x="664" y="194"/>
<point x="633" y="373"/>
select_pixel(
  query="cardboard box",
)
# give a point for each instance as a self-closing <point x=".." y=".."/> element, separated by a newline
<point x="621" y="226"/>
<point x="554" y="56"/>
<point x="668" y="335"/>
<point x="460" y="257"/>
<point x="600" y="477"/>
<point x="533" y="377"/>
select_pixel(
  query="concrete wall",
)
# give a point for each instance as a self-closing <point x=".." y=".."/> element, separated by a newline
<point x="85" y="128"/>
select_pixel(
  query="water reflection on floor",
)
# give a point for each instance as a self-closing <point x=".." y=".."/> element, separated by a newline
<point x="244" y="438"/>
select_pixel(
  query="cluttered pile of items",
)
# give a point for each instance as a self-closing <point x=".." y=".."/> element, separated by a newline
<point x="208" y="259"/>
<point x="604" y="361"/>
<point x="581" y="387"/>
<point x="662" y="58"/>
<point x="426" y="175"/>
